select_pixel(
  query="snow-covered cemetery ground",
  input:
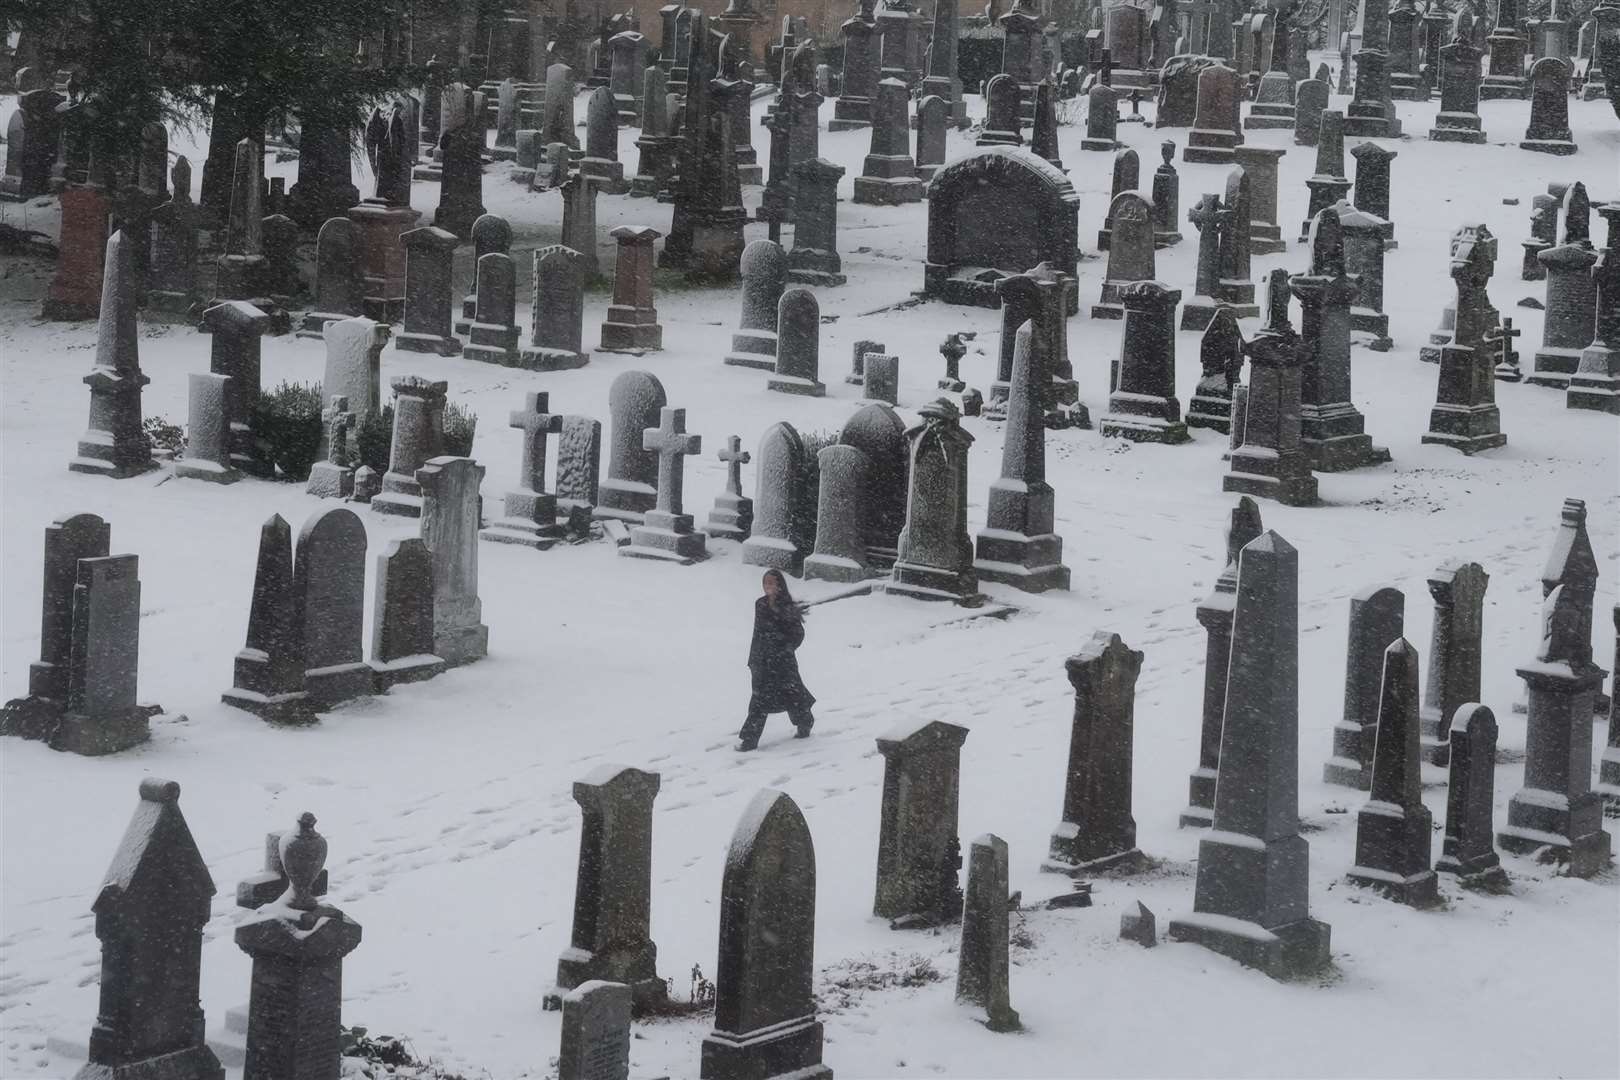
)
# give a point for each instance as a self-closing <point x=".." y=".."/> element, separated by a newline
<point x="448" y="804"/>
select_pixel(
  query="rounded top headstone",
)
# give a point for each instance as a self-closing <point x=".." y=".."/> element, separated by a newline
<point x="491" y="232"/>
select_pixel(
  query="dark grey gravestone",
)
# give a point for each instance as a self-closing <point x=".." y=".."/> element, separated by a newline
<point x="935" y="553"/>
<point x="1166" y="198"/>
<point x="1220" y="356"/>
<point x="632" y="325"/>
<point x="1571" y="318"/>
<point x="236" y="328"/>
<point x="579" y="465"/>
<point x="765" y="1014"/>
<point x="1138" y="924"/>
<point x="1596" y="382"/>
<point x="878" y="432"/>
<point x="1328" y="184"/>
<point x="1465" y="416"/>
<point x="1267" y="458"/>
<point x="339" y="288"/>
<point x="557" y="315"/>
<point x="1002" y="102"/>
<point x="67" y="540"/>
<point x="402" y="615"/>
<point x="1557" y="810"/>
<point x="171" y="283"/>
<point x="1102" y="120"/>
<point x="1364" y="246"/>
<point x="1455" y="647"/>
<point x="764" y="270"/>
<point x="295" y="1014"/>
<point x="1310" y="102"/>
<point x="418" y="435"/>
<point x="1372" y="184"/>
<point x="579" y="218"/>
<point x="429" y="252"/>
<point x="981" y="974"/>
<point x="1548" y="131"/>
<point x="882" y="378"/>
<point x="918" y="850"/>
<point x="798" y="345"/>
<point x="814" y="259"/>
<point x="1469" y="851"/>
<point x="933" y="116"/>
<point x="1215" y="615"/>
<point x="452" y="510"/>
<point x="840" y="551"/>
<point x="329" y="581"/>
<point x="1377" y="618"/>
<point x="1233" y="285"/>
<point x="1127" y="177"/>
<point x="1608" y="785"/>
<point x="269" y="670"/>
<point x="635" y="400"/>
<point x="1458" y="118"/>
<point x="1251" y="901"/>
<point x="102" y="717"/>
<point x="1259" y="165"/>
<point x="492" y="336"/>
<point x="889" y="174"/>
<point x="601" y="160"/>
<point x="1210" y="219"/>
<point x="1097" y="829"/>
<point x="1143" y="406"/>
<point x="1019" y="544"/>
<point x="611" y="939"/>
<point x="1215" y="121"/>
<point x="779" y="467"/>
<point x="150" y="914"/>
<point x="1130" y="252"/>
<point x="595" y="1031"/>
<point x="1393" y="826"/>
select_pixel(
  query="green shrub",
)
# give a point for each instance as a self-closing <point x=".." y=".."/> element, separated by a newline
<point x="459" y="425"/>
<point x="373" y="438"/>
<point x="287" y="426"/>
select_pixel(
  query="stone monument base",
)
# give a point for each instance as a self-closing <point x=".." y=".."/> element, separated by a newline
<point x="753" y="349"/>
<point x="625" y="331"/>
<point x="1469" y="428"/>
<point x="492" y="343"/>
<point x="1456" y="127"/>
<point x="794" y="384"/>
<point x="934" y="583"/>
<point x="833" y="568"/>
<point x="108" y="733"/>
<point x="790" y="1049"/>
<point x="669" y="537"/>
<point x="888" y="191"/>
<point x="437" y="344"/>
<point x="1553" y="367"/>
<point x="333" y="685"/>
<point x="406" y="669"/>
<point x="1283" y="952"/>
<point x="215" y="473"/>
<point x="540" y="358"/>
<point x="1030" y="563"/>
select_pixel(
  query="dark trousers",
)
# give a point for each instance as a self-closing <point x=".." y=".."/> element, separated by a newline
<point x="754" y="725"/>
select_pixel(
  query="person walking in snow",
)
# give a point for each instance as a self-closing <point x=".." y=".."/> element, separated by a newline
<point x="777" y="687"/>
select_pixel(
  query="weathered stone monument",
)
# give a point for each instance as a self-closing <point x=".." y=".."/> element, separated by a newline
<point x="636" y="401"/>
<point x="1097" y="829"/>
<point x="732" y="517"/>
<point x="774" y="539"/>
<point x="1143" y="405"/>
<point x="919" y="852"/>
<point x="1377" y="619"/>
<point x="667" y="532"/>
<point x="402" y="616"/>
<point x="1458" y="589"/>
<point x="1468" y="850"/>
<point x="1465" y="416"/>
<point x="529" y="512"/>
<point x="113" y="444"/>
<point x="451" y="514"/>
<point x="557" y="326"/>
<point x="981" y="974"/>
<point x="798" y="345"/>
<point x="935" y="559"/>
<point x="418" y="435"/>
<point x="764" y="271"/>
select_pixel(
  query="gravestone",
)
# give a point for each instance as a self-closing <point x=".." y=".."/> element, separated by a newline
<point x="636" y="401"/>
<point x="798" y="345"/>
<point x="631" y="325"/>
<point x="666" y="532"/>
<point x="918" y="850"/>
<point x="579" y="218"/>
<point x="733" y="514"/>
<point x="1259" y="164"/>
<point x="1166" y="198"/>
<point x="935" y="553"/>
<point x="429" y="252"/>
<point x="1215" y="125"/>
<point x="1130" y="253"/>
<point x="1233" y="285"/>
<point x="529" y="512"/>
<point x="1143" y="406"/>
<point x="1097" y="829"/>
<point x="1127" y="177"/>
<point x="1465" y="416"/>
<point x="269" y="670"/>
<point x="1364" y="246"/>
<point x="1251" y="901"/>
<point x="595" y="1029"/>
<point x="1210" y="218"/>
<point x="1267" y="458"/>
<point x="579" y="464"/>
<point x="1393" y="827"/>
<point x="297" y="944"/>
<point x="840" y="551"/>
<point x="1372" y="185"/>
<point x="1469" y="849"/>
<point x="1328" y="184"/>
<point x="339" y="288"/>
<point x="1215" y="615"/>
<point x="461" y="184"/>
<point x="557" y="315"/>
<point x="77" y="288"/>
<point x="860" y="76"/>
<point x="1557" y="812"/>
<point x="1458" y="118"/>
<point x="1596" y="381"/>
<point x="1138" y="924"/>
<point x="490" y="234"/>
<point x="171" y="276"/>
<point x="114" y="444"/>
<point x="418" y="435"/>
<point x="402" y="616"/>
<point x="235" y="328"/>
<point x="354" y="363"/>
<point x="889" y="174"/>
<point x="764" y="270"/>
<point x="814" y="259"/>
<point x="208" y="441"/>
<point x="780" y="468"/>
<point x="1458" y="589"/>
<point x="1377" y="619"/>
<point x="981" y="974"/>
<point x="1310" y="102"/>
<point x="1002" y="105"/>
<point x="98" y="713"/>
<point x="878" y="432"/>
<point x="656" y="145"/>
<point x="1220" y="355"/>
<point x="329" y="584"/>
<point x="451" y="513"/>
<point x="1178" y="89"/>
<point x="764" y="1016"/>
<point x="627" y="63"/>
<point x="241" y="266"/>
<point x="1019" y="545"/>
<point x="1571" y="303"/>
<point x="1608" y="785"/>
<point x="150" y="913"/>
<point x="1102" y="120"/>
<point x="387" y="215"/>
<point x="933" y="117"/>
<point x="67" y="541"/>
<point x="1548" y="131"/>
<point x="557" y="113"/>
<point x="601" y="161"/>
<point x="492" y="335"/>
<point x="610" y="939"/>
<point x="882" y="378"/>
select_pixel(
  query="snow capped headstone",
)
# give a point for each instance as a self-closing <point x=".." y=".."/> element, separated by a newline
<point x="102" y="716"/>
<point x="840" y="552"/>
<point x="402" y="615"/>
<point x="667" y="531"/>
<point x="1251" y="899"/>
<point x="765" y="1013"/>
<point x="297" y="944"/>
<point x="1393" y="826"/>
<point x="779" y="472"/>
<point x="529" y="512"/>
<point x="595" y="1029"/>
<point x="354" y="363"/>
<point x="764" y="269"/>
<point x="889" y="174"/>
<point x="814" y="259"/>
<point x="877" y="431"/>
<point x="451" y="513"/>
<point x="981" y="974"/>
<point x="1130" y="252"/>
<point x="557" y="326"/>
<point x="429" y="252"/>
<point x="613" y="888"/>
<point x="798" y="345"/>
<point x="733" y="514"/>
<point x="918" y="850"/>
<point x="1377" y="620"/>
<point x="1215" y="121"/>
<point x="150" y="915"/>
<point x="339" y="289"/>
<point x="1468" y="850"/>
<point x="235" y="328"/>
<point x="1455" y="649"/>
<point x="1571" y="297"/>
<point x="1215" y="615"/>
<point x="1458" y="118"/>
<point x="1097" y="829"/>
<point x="492" y="335"/>
<point x="208" y="452"/>
<point x="935" y="560"/>
<point x="579" y="465"/>
<point x="636" y="400"/>
<point x="1557" y="810"/>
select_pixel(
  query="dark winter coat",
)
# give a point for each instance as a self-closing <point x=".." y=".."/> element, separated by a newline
<point x="778" y="631"/>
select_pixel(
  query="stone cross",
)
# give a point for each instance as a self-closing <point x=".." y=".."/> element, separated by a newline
<point x="735" y="458"/>
<point x="671" y="442"/>
<point x="536" y="421"/>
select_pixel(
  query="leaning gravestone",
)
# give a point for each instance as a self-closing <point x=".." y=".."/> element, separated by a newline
<point x="765" y="1014"/>
<point x="150" y="914"/>
<point x="981" y="974"/>
<point x="269" y="670"/>
<point x="1097" y="829"/>
<point x="635" y="400"/>
<point x="451" y="514"/>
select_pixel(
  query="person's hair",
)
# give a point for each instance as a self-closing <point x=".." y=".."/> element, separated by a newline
<point x="782" y="586"/>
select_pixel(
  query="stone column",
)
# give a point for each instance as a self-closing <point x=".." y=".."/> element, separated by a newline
<point x="114" y="445"/>
<point x="981" y="974"/>
<point x="631" y="325"/>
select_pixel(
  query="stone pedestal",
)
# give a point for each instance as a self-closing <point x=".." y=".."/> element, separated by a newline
<point x="383" y="257"/>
